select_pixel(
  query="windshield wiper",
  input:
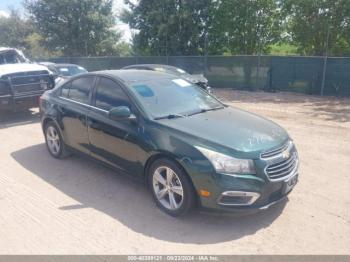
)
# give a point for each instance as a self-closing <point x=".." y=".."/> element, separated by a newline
<point x="170" y="116"/>
<point x="206" y="110"/>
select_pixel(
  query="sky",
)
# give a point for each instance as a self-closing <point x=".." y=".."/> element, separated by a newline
<point x="118" y="6"/>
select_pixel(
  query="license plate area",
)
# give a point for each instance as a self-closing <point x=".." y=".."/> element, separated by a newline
<point x="290" y="183"/>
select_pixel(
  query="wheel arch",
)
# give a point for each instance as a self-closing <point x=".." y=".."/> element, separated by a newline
<point x="45" y="121"/>
<point x="171" y="157"/>
<point x="49" y="119"/>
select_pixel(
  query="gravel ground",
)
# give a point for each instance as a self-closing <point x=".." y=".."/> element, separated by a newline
<point x="76" y="206"/>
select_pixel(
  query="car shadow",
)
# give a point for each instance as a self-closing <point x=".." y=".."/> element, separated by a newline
<point x="95" y="186"/>
<point x="17" y="118"/>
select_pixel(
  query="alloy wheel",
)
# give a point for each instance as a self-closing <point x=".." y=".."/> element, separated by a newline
<point x="168" y="188"/>
<point x="53" y="140"/>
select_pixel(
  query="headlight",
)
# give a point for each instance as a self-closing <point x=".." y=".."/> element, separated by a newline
<point x="228" y="164"/>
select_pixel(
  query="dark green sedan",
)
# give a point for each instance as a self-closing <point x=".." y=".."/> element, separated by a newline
<point x="190" y="149"/>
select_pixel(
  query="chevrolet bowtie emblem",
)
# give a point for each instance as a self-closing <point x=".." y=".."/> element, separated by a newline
<point x="285" y="154"/>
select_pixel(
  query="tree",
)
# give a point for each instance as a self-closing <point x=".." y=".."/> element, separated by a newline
<point x="309" y="21"/>
<point x="76" y="27"/>
<point x="20" y="33"/>
<point x="245" y="27"/>
<point x="36" y="50"/>
<point x="169" y="27"/>
<point x="124" y="49"/>
<point x="14" y="30"/>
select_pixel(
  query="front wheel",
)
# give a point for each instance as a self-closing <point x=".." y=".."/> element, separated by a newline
<point x="171" y="188"/>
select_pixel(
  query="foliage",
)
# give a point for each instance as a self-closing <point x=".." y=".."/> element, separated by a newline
<point x="309" y="21"/>
<point x="283" y="49"/>
<point x="76" y="27"/>
<point x="245" y="27"/>
<point x="169" y="27"/>
<point x="180" y="27"/>
<point x="35" y="48"/>
<point x="20" y="33"/>
<point x="14" y="31"/>
<point x="124" y="49"/>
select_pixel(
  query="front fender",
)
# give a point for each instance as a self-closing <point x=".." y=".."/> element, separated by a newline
<point x="173" y="145"/>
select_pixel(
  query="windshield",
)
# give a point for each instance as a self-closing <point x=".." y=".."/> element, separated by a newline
<point x="71" y="70"/>
<point x="11" y="57"/>
<point x="163" y="97"/>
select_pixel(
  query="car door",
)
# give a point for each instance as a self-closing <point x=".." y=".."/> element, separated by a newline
<point x="114" y="142"/>
<point x="73" y="109"/>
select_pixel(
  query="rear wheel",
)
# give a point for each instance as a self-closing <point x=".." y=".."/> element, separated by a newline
<point x="171" y="188"/>
<point x="54" y="141"/>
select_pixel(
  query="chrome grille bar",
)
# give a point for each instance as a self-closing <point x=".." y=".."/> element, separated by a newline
<point x="283" y="168"/>
<point x="276" y="151"/>
<point x="279" y="167"/>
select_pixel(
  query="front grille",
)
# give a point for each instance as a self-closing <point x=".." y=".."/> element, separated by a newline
<point x="29" y="81"/>
<point x="283" y="168"/>
<point x="24" y="88"/>
<point x="4" y="88"/>
<point x="276" y="151"/>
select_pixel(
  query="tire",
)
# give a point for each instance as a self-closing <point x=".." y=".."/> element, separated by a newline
<point x="171" y="187"/>
<point x="54" y="142"/>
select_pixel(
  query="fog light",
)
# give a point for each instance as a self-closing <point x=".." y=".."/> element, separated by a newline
<point x="238" y="198"/>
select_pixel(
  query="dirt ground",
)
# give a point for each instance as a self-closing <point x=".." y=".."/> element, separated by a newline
<point x="76" y="206"/>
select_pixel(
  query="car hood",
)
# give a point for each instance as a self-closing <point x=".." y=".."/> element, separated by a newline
<point x="20" y="68"/>
<point x="231" y="128"/>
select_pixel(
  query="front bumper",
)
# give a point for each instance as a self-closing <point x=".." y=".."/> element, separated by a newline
<point x="275" y="178"/>
<point x="10" y="102"/>
<point x="22" y="90"/>
<point x="243" y="211"/>
<point x="269" y="192"/>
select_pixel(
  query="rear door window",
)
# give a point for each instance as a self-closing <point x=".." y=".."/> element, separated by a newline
<point x="79" y="89"/>
<point x="65" y="90"/>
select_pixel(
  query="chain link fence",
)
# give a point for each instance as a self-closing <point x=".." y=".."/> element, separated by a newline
<point x="270" y="73"/>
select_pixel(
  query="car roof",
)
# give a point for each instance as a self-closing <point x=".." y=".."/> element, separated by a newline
<point x="57" y="64"/>
<point x="151" y="66"/>
<point x="2" y="49"/>
<point x="131" y="75"/>
<point x="46" y="63"/>
<point x="65" y="64"/>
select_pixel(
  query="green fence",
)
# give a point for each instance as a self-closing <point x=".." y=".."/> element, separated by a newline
<point x="296" y="74"/>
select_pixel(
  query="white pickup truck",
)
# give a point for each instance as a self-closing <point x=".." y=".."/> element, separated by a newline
<point x="21" y="82"/>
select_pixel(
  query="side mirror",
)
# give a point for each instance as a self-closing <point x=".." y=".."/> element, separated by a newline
<point x="120" y="113"/>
